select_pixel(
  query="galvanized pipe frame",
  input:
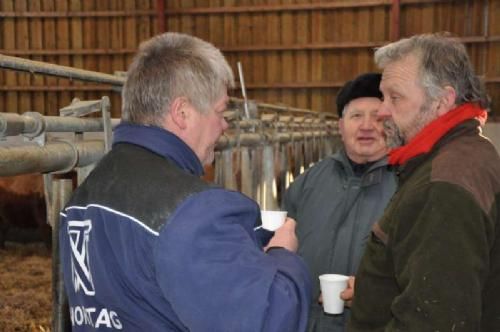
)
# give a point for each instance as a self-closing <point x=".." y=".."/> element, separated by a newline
<point x="54" y="157"/>
<point x="59" y="155"/>
<point x="32" y="124"/>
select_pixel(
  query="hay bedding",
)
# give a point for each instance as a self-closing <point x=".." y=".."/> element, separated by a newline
<point x="25" y="287"/>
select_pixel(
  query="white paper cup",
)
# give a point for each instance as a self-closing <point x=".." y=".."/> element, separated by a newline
<point x="331" y="287"/>
<point x="272" y="220"/>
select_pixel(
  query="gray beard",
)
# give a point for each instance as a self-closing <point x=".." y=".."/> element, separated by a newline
<point x="393" y="136"/>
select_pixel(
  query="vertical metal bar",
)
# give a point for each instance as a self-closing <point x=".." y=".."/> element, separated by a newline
<point x="283" y="172"/>
<point x="246" y="173"/>
<point x="298" y="154"/>
<point x="61" y="191"/>
<point x="268" y="201"/>
<point x="229" y="180"/>
<point x="243" y="90"/>
<point x="256" y="162"/>
<point x="106" y="123"/>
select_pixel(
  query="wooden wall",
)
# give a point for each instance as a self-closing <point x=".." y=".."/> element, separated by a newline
<point x="293" y="52"/>
<point x="99" y="35"/>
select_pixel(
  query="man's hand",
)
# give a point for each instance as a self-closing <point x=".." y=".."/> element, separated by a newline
<point x="348" y="293"/>
<point x="285" y="236"/>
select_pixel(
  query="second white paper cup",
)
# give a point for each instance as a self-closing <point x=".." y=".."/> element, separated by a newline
<point x="272" y="220"/>
<point x="331" y="287"/>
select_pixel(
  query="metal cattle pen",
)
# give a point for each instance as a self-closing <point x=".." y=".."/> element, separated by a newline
<point x="265" y="147"/>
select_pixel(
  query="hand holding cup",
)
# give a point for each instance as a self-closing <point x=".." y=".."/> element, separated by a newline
<point x="285" y="236"/>
<point x="332" y="285"/>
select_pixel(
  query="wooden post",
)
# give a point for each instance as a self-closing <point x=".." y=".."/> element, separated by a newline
<point x="160" y="10"/>
<point x="395" y="13"/>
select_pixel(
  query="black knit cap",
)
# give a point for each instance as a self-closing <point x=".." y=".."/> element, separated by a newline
<point x="366" y="85"/>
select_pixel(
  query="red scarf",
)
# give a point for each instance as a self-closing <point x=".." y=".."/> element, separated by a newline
<point x="427" y="137"/>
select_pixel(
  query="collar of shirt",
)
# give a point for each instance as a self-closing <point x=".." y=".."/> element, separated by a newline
<point x="345" y="161"/>
<point x="159" y="141"/>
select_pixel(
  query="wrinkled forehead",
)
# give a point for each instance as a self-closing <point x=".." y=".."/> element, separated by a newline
<point x="363" y="105"/>
<point x="400" y="72"/>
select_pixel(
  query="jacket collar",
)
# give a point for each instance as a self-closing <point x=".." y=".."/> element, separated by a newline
<point x="341" y="157"/>
<point x="161" y="142"/>
<point x="467" y="128"/>
<point x="425" y="140"/>
<point x="372" y="175"/>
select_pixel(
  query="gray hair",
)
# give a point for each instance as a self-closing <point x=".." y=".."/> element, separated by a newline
<point x="443" y="62"/>
<point x="173" y="65"/>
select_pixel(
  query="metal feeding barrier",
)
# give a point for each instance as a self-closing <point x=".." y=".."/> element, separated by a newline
<point x="265" y="147"/>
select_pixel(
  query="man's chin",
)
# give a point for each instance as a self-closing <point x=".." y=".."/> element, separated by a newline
<point x="393" y="136"/>
<point x="209" y="159"/>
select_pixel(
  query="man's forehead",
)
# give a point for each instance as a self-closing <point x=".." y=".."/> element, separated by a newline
<point x="364" y="109"/>
<point x="364" y="103"/>
<point x="400" y="71"/>
<point x="223" y="101"/>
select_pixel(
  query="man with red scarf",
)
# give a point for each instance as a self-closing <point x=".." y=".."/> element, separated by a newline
<point x="433" y="260"/>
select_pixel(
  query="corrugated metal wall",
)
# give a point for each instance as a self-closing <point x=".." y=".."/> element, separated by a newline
<point x="293" y="52"/>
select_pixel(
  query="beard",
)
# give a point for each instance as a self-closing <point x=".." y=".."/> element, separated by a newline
<point x="393" y="136"/>
<point x="396" y="136"/>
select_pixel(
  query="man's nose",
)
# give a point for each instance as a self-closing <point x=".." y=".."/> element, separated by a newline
<point x="368" y="122"/>
<point x="383" y="111"/>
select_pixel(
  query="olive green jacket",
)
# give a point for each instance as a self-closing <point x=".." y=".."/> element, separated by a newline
<point x="433" y="260"/>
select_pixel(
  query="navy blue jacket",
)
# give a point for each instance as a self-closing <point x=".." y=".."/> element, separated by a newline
<point x="148" y="246"/>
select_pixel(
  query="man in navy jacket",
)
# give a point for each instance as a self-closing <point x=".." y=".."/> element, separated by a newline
<point x="146" y="245"/>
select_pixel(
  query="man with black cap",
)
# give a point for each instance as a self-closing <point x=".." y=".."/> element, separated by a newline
<point x="336" y="202"/>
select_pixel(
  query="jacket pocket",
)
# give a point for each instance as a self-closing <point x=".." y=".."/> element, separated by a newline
<point x="378" y="235"/>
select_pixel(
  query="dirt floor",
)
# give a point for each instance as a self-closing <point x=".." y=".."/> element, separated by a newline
<point x="25" y="287"/>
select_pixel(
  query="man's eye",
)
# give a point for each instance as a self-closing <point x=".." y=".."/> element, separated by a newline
<point x="356" y="115"/>
<point x="394" y="97"/>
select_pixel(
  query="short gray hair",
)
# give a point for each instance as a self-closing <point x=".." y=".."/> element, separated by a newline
<point x="443" y="61"/>
<point x="173" y="65"/>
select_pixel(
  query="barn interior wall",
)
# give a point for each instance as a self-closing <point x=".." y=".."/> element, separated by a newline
<point x="293" y="52"/>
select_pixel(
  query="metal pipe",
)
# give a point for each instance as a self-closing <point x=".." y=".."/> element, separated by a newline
<point x="12" y="124"/>
<point x="38" y="67"/>
<point x="57" y="156"/>
<point x="60" y="156"/>
<point x="243" y="90"/>
<point x="248" y="139"/>
<point x="283" y="171"/>
<point x="61" y="192"/>
<point x="32" y="124"/>
<point x="247" y="174"/>
<point x="227" y="170"/>
<point x="268" y="201"/>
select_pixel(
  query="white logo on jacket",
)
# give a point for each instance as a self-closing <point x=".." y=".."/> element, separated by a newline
<point x="79" y="232"/>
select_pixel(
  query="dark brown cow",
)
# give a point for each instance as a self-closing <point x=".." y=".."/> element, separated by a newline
<point x="22" y="209"/>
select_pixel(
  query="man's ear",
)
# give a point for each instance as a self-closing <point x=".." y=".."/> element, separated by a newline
<point x="179" y="112"/>
<point x="447" y="100"/>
